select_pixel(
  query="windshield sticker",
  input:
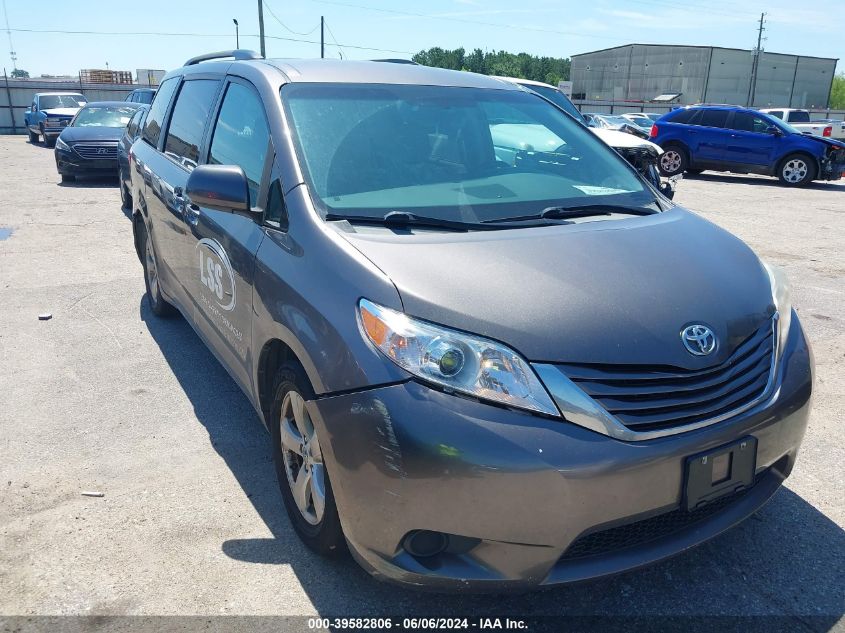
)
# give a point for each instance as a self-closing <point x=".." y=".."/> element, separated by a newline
<point x="600" y="191"/>
<point x="216" y="273"/>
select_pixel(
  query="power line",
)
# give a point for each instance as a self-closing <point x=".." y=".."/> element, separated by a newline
<point x="151" y="33"/>
<point x="285" y="26"/>
<point x="12" y="54"/>
<point x="334" y="38"/>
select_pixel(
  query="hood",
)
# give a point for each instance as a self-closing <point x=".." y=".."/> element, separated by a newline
<point x="828" y="141"/>
<point x="91" y="133"/>
<point x="61" y="111"/>
<point x="614" y="138"/>
<point x="610" y="291"/>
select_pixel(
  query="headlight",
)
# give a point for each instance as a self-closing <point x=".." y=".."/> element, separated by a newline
<point x="782" y="297"/>
<point x="454" y="360"/>
<point x="60" y="144"/>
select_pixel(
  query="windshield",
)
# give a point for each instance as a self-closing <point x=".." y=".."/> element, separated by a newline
<point x="104" y="116"/>
<point x="558" y="98"/>
<point x="48" y="102"/>
<point x="615" y="120"/>
<point x="464" y="154"/>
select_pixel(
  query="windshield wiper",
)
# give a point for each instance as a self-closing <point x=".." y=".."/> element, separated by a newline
<point x="404" y="218"/>
<point x="581" y="211"/>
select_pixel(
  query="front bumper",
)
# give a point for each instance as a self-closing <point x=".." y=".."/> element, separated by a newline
<point x="521" y="489"/>
<point x="68" y="163"/>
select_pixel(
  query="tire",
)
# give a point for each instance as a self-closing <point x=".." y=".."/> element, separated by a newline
<point x="33" y="137"/>
<point x="68" y="178"/>
<point x="796" y="170"/>
<point x="673" y="161"/>
<point x="320" y="530"/>
<point x="159" y="306"/>
<point x="125" y="196"/>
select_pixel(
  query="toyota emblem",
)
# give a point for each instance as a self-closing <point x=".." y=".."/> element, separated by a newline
<point x="698" y="339"/>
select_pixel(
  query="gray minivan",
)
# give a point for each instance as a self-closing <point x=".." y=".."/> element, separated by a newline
<point x="488" y="353"/>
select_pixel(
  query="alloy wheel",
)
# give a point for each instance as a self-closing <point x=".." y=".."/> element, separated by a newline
<point x="670" y="161"/>
<point x="303" y="458"/>
<point x="795" y="170"/>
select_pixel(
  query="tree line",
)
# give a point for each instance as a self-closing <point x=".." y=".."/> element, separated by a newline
<point x="523" y="65"/>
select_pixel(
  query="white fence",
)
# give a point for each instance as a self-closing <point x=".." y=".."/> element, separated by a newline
<point x="16" y="96"/>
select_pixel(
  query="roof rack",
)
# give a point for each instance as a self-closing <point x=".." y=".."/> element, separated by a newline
<point x="239" y="55"/>
<point x="396" y="61"/>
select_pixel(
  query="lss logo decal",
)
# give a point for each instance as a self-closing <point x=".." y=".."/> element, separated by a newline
<point x="216" y="272"/>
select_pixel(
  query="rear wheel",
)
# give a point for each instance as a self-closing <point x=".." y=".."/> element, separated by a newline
<point x="796" y="170"/>
<point x="300" y="468"/>
<point x="125" y="196"/>
<point x="33" y="137"/>
<point x="673" y="161"/>
<point x="158" y="304"/>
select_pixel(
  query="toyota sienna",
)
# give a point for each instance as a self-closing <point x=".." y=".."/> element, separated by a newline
<point x="488" y="353"/>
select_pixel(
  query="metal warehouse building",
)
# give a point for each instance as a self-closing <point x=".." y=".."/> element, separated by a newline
<point x="702" y="74"/>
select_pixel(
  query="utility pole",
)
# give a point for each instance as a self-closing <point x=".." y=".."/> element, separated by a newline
<point x="755" y="64"/>
<point x="12" y="53"/>
<point x="322" y="37"/>
<point x="261" y="27"/>
<point x="237" y="38"/>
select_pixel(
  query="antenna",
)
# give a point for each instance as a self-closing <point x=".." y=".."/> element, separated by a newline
<point x="12" y="52"/>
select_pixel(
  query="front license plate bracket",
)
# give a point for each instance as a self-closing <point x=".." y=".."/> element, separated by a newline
<point x="719" y="472"/>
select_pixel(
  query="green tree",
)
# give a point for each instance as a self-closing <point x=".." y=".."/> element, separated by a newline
<point x="837" y="92"/>
<point x="521" y="65"/>
<point x="19" y="73"/>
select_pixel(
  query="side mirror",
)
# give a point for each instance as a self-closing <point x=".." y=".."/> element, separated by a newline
<point x="220" y="187"/>
<point x="774" y="130"/>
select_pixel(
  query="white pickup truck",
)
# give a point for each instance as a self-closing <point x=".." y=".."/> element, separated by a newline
<point x="800" y="120"/>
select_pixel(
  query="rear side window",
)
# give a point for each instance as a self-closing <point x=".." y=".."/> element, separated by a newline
<point x="713" y="118"/>
<point x="134" y="122"/>
<point x="241" y="135"/>
<point x="152" y="129"/>
<point x="799" y="117"/>
<point x="681" y="116"/>
<point x="184" y="136"/>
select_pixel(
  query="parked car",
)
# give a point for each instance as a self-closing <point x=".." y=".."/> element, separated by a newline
<point x="130" y="134"/>
<point x="640" y="119"/>
<point x="49" y="113"/>
<point x="481" y="366"/>
<point x="837" y="128"/>
<point x="642" y="154"/>
<point x="800" y="120"/>
<point x="142" y="95"/>
<point x="617" y="123"/>
<point x="89" y="144"/>
<point x="741" y="140"/>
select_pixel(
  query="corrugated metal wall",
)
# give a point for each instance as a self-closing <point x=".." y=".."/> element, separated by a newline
<point x="22" y="90"/>
<point x="640" y="72"/>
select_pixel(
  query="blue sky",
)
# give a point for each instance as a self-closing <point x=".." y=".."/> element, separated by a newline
<point x="401" y="28"/>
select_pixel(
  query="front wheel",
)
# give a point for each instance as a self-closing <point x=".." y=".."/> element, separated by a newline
<point x="673" y="161"/>
<point x="125" y="196"/>
<point x="300" y="467"/>
<point x="157" y="302"/>
<point x="797" y="170"/>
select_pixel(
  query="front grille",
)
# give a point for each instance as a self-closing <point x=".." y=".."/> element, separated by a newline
<point x="647" y="530"/>
<point x="96" y="150"/>
<point x="646" y="398"/>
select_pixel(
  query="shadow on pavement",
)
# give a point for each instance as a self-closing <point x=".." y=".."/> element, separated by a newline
<point x="835" y="185"/>
<point x="787" y="560"/>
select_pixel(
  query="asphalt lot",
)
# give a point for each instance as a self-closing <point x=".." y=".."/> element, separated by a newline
<point x="106" y="397"/>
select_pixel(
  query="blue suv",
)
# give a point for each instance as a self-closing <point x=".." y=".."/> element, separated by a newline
<point x="745" y="141"/>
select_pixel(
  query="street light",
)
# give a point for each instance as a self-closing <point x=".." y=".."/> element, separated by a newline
<point x="237" y="41"/>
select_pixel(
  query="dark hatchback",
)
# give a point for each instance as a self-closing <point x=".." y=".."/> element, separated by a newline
<point x="89" y="144"/>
